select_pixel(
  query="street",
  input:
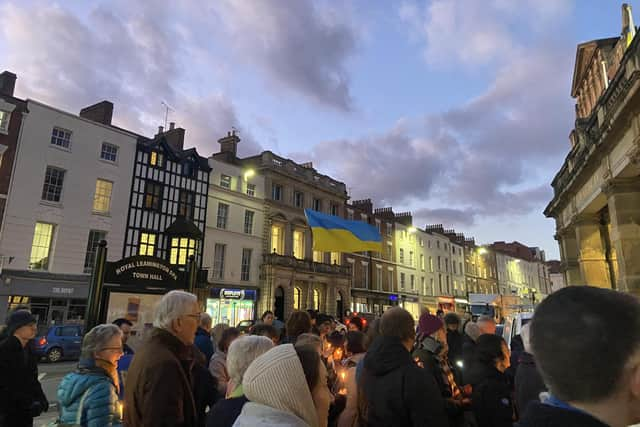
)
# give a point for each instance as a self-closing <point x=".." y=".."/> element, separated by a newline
<point x="50" y="376"/>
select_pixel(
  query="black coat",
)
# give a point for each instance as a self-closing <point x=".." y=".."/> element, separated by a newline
<point x="468" y="357"/>
<point x="21" y="395"/>
<point x="397" y="391"/>
<point x="225" y="412"/>
<point x="205" y="386"/>
<point x="492" y="403"/>
<point x="454" y="341"/>
<point x="529" y="383"/>
<point x="541" y="415"/>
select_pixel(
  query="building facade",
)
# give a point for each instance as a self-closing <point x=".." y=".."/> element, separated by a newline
<point x="291" y="279"/>
<point x="522" y="272"/>
<point x="69" y="189"/>
<point x="481" y="275"/>
<point x="233" y="239"/>
<point x="596" y="202"/>
<point x="555" y="275"/>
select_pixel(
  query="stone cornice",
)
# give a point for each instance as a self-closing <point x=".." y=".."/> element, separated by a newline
<point x="621" y="185"/>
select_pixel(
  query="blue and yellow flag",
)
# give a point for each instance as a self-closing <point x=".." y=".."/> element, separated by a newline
<point x="334" y="234"/>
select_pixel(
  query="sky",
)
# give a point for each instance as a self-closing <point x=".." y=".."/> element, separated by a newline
<point x="456" y="110"/>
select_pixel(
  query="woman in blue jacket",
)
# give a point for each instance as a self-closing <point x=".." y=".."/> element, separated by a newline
<point x="89" y="396"/>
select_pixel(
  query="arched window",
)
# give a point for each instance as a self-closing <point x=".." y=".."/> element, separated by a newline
<point x="297" y="298"/>
<point x="316" y="299"/>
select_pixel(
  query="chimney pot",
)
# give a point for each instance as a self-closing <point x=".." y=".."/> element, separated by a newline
<point x="102" y="112"/>
<point x="7" y="83"/>
<point x="172" y="125"/>
<point x="160" y="129"/>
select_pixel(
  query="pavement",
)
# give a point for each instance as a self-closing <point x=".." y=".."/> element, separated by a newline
<point x="50" y="376"/>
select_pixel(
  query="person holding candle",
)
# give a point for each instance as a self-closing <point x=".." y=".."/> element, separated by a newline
<point x="89" y="396"/>
<point x="356" y="350"/>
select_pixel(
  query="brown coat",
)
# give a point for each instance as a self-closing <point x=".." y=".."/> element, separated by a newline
<point x="158" y="391"/>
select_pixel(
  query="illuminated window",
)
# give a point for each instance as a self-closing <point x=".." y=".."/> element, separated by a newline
<point x="251" y="190"/>
<point x="297" y="298"/>
<point x="335" y="258"/>
<point x="41" y="246"/>
<point x="225" y="181"/>
<point x="102" y="197"/>
<point x="318" y="256"/>
<point x="316" y="299"/>
<point x="422" y="262"/>
<point x="92" y="247"/>
<point x="4" y="121"/>
<point x="277" y="241"/>
<point x="147" y="244"/>
<point x="298" y="244"/>
<point x="152" y="195"/>
<point x="218" y="261"/>
<point x="53" y="181"/>
<point x="181" y="249"/>
<point x="61" y="137"/>
<point x="411" y="258"/>
<point x="246" y="264"/>
<point x="431" y="264"/>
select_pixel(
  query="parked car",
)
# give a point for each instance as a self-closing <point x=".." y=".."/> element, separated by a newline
<point x="245" y="326"/>
<point x="59" y="342"/>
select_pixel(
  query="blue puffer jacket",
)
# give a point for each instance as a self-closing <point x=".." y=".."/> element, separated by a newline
<point x="100" y="408"/>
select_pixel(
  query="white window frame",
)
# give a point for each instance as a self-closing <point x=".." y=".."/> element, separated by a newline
<point x="5" y="119"/>
<point x="251" y="190"/>
<point x="218" y="260"/>
<point x="225" y="181"/>
<point x="245" y="265"/>
<point x="61" y="139"/>
<point x="108" y="145"/>
<point x="37" y="242"/>
<point x="102" y="198"/>
<point x="223" y="216"/>
<point x="248" y="221"/>
<point x="45" y="194"/>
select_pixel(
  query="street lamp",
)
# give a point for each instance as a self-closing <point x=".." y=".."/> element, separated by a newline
<point x="249" y="173"/>
<point x="412" y="230"/>
<point x="482" y="250"/>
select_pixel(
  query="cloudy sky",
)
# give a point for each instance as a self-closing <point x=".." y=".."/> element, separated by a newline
<point x="458" y="110"/>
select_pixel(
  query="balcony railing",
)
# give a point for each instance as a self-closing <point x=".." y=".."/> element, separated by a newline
<point x="305" y="265"/>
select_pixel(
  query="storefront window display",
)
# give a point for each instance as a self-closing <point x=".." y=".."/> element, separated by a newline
<point x="136" y="308"/>
<point x="231" y="306"/>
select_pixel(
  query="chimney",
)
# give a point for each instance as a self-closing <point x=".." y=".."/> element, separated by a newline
<point x="172" y="125"/>
<point x="7" y="83"/>
<point x="102" y="112"/>
<point x="160" y="130"/>
<point x="175" y="137"/>
<point x="229" y="143"/>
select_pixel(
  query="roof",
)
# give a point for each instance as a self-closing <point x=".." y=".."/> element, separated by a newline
<point x="584" y="55"/>
<point x="161" y="141"/>
<point x="184" y="228"/>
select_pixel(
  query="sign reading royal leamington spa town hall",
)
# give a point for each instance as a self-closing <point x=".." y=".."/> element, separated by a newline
<point x="144" y="270"/>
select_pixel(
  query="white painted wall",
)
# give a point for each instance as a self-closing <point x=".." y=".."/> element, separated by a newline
<point x="73" y="216"/>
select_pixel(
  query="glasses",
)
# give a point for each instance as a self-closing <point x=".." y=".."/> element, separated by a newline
<point x="116" y="349"/>
<point x="195" y="316"/>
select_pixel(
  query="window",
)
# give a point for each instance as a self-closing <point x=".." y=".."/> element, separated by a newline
<point x="440" y="283"/>
<point x="460" y="270"/>
<point x="92" y="247"/>
<point x="218" y="261"/>
<point x="153" y="195"/>
<point x="248" y="222"/>
<point x="102" y="197"/>
<point x="438" y="244"/>
<point x="446" y="264"/>
<point x="448" y="287"/>
<point x="422" y="262"/>
<point x="156" y="159"/>
<point x="186" y="204"/>
<point x="297" y="298"/>
<point x="109" y="152"/>
<point x="245" y="270"/>
<point x="390" y="280"/>
<point x="298" y="199"/>
<point x="316" y="299"/>
<point x="53" y="180"/>
<point x="251" y="190"/>
<point x="413" y="282"/>
<point x="350" y="214"/>
<point x="429" y="244"/>
<point x="223" y="213"/>
<point x="431" y="264"/>
<point x="411" y="258"/>
<point x="423" y="286"/>
<point x="41" y="246"/>
<point x="401" y="280"/>
<point x="276" y="192"/>
<point x="225" y="181"/>
<point x="453" y="264"/>
<point x="181" y="249"/>
<point x="421" y="243"/>
<point x="317" y="205"/>
<point x="365" y="274"/>
<point x="4" y="121"/>
<point x="147" y="245"/>
<point x="61" y="137"/>
<point x="390" y="252"/>
<point x="439" y="264"/>
<point x="378" y="277"/>
<point x="318" y="256"/>
<point x="335" y="258"/>
<point x="431" y="286"/>
<point x="298" y="244"/>
<point x="334" y="209"/>
<point x="188" y="169"/>
<point x="401" y="256"/>
<point x="277" y="239"/>
<point x="389" y="230"/>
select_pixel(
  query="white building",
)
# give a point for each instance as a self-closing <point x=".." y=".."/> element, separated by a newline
<point x="409" y="277"/>
<point x="70" y="188"/>
<point x="233" y="240"/>
<point x="521" y="277"/>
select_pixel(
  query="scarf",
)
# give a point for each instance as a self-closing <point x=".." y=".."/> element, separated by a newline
<point x="111" y="370"/>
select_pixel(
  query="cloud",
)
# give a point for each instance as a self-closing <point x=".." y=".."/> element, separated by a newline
<point x="300" y="45"/>
<point x="448" y="216"/>
<point x="130" y="54"/>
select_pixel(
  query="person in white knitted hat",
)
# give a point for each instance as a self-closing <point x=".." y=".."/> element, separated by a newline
<point x="287" y="387"/>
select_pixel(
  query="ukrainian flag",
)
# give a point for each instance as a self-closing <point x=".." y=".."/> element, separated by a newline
<point x="334" y="234"/>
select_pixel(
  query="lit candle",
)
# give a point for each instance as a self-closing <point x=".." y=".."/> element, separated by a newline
<point x="120" y="404"/>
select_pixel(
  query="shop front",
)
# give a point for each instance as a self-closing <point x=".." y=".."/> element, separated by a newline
<point x="372" y="302"/>
<point x="411" y="303"/>
<point x="54" y="299"/>
<point x="447" y="304"/>
<point x="430" y="303"/>
<point x="231" y="305"/>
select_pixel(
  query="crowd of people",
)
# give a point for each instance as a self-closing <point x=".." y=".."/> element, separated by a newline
<point x="577" y="363"/>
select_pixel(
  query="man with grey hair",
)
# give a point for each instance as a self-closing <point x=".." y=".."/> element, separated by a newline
<point x="528" y="381"/>
<point x="203" y="337"/>
<point x="159" y="390"/>
<point x="487" y="325"/>
<point x="241" y="353"/>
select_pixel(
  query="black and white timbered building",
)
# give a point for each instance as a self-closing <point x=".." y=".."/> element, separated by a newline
<point x="167" y="210"/>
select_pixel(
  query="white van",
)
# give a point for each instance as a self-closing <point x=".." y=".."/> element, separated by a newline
<point x="513" y="325"/>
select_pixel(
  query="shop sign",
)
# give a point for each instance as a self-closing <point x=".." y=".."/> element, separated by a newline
<point x="63" y="291"/>
<point x="225" y="293"/>
<point x="141" y="270"/>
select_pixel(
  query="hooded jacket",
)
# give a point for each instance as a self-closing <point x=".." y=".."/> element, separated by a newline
<point x="529" y="383"/>
<point x="491" y="399"/>
<point x="397" y="391"/>
<point x="277" y="391"/>
<point x="542" y="415"/>
<point x="100" y="406"/>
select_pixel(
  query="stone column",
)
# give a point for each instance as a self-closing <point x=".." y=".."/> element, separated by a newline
<point x="592" y="252"/>
<point x="569" y="255"/>
<point x="623" y="198"/>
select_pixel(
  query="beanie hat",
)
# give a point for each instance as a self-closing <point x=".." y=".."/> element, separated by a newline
<point x="18" y="319"/>
<point x="276" y="379"/>
<point x="322" y="318"/>
<point x="428" y="324"/>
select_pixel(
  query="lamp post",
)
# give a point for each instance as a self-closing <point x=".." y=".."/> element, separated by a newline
<point x="95" y="287"/>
